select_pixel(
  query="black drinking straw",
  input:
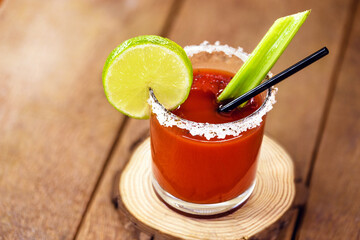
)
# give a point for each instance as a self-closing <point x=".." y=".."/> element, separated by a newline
<point x="274" y="80"/>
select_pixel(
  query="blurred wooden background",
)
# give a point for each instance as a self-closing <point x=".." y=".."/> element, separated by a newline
<point x="61" y="143"/>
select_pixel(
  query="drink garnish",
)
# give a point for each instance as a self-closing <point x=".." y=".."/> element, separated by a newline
<point x="274" y="80"/>
<point x="264" y="56"/>
<point x="146" y="62"/>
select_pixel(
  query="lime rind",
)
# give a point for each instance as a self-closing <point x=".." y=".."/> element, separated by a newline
<point x="145" y="39"/>
<point x="150" y="55"/>
<point x="264" y="56"/>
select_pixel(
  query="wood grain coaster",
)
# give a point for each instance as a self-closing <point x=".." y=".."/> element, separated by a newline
<point x="272" y="196"/>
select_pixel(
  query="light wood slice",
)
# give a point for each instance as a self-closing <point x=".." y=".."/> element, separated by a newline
<point x="272" y="196"/>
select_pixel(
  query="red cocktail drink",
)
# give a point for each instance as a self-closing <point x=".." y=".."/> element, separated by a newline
<point x="204" y="162"/>
<point x="198" y="170"/>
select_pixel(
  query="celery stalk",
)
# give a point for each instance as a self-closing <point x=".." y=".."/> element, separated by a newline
<point x="264" y="56"/>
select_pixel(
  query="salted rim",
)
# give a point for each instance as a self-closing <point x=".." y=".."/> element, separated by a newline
<point x="211" y="130"/>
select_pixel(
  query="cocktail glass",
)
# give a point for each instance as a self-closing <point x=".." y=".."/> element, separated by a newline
<point x="202" y="168"/>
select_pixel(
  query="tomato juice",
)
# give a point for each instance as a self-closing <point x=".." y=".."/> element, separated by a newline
<point x="199" y="170"/>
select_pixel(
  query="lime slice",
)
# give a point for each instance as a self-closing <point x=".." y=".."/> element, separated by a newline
<point x="146" y="62"/>
<point x="265" y="55"/>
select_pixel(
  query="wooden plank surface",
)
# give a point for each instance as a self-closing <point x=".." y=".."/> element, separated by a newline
<point x="334" y="200"/>
<point x="102" y="220"/>
<point x="56" y="127"/>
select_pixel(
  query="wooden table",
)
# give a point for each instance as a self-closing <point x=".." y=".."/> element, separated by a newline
<point x="61" y="142"/>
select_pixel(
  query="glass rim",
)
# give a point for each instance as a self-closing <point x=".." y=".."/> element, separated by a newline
<point x="267" y="98"/>
<point x="212" y="130"/>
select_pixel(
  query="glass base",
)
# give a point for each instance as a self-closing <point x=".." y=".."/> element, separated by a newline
<point x="201" y="209"/>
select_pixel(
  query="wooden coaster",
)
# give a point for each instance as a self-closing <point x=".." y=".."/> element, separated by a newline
<point x="272" y="196"/>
